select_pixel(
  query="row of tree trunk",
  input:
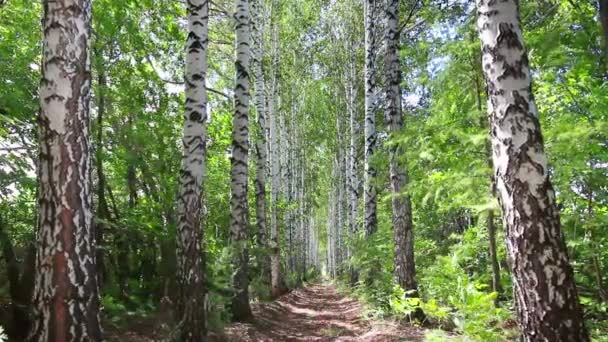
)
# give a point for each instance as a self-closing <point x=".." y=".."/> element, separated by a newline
<point x="546" y="295"/>
<point x="66" y="293"/>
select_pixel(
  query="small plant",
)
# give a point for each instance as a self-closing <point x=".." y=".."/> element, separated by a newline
<point x="3" y="336"/>
<point x="403" y="303"/>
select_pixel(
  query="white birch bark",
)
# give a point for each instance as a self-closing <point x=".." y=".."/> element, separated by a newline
<point x="261" y="146"/>
<point x="370" y="194"/>
<point x="277" y="285"/>
<point x="239" y="208"/>
<point x="543" y="280"/>
<point x="405" y="271"/>
<point x="66" y="295"/>
<point x="353" y="182"/>
<point x="190" y="275"/>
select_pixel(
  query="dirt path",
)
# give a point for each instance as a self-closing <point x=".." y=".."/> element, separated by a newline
<point x="316" y="313"/>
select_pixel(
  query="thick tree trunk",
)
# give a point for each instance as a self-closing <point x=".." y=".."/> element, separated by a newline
<point x="261" y="146"/>
<point x="190" y="310"/>
<point x="66" y="295"/>
<point x="239" y="208"/>
<point x="370" y="195"/>
<point x="545" y="292"/>
<point x="405" y="270"/>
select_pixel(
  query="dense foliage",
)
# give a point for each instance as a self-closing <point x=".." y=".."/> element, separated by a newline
<point x="138" y="62"/>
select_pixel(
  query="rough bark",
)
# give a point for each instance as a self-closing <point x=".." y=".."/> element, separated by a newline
<point x="405" y="270"/>
<point x="66" y="295"/>
<point x="239" y="208"/>
<point x="370" y="195"/>
<point x="544" y="288"/>
<point x="190" y="310"/>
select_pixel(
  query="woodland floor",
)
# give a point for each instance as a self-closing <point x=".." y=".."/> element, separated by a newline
<point x="316" y="312"/>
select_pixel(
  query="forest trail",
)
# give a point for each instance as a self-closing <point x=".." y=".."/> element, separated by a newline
<point x="317" y="312"/>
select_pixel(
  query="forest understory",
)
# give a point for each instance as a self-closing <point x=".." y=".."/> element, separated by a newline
<point x="190" y="170"/>
<point x="315" y="312"/>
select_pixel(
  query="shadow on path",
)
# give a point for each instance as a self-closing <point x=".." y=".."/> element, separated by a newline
<point x="316" y="312"/>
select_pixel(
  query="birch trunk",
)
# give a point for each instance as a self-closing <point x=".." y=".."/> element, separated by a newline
<point x="353" y="182"/>
<point x="239" y="209"/>
<point x="261" y="146"/>
<point x="66" y="295"/>
<point x="276" y="278"/>
<point x="369" y="195"/>
<point x="544" y="288"/>
<point x="405" y="270"/>
<point x="190" y="311"/>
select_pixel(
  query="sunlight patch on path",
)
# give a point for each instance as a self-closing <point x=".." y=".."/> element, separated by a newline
<point x="316" y="312"/>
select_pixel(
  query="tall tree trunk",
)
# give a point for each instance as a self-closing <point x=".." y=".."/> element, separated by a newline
<point x="261" y="146"/>
<point x="353" y="182"/>
<point x="123" y="253"/>
<point x="190" y="311"/>
<point x="239" y="208"/>
<point x="276" y="282"/>
<point x="66" y="295"/>
<point x="369" y="195"/>
<point x="405" y="270"/>
<point x="544" y="288"/>
<point x="496" y="287"/>
<point x="331" y="245"/>
<point x="337" y="215"/>
<point x="340" y="181"/>
<point x="288" y="184"/>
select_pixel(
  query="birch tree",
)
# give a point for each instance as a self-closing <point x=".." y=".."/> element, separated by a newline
<point x="190" y="276"/>
<point x="239" y="208"/>
<point x="353" y="181"/>
<point x="276" y="278"/>
<point x="544" y="289"/>
<point x="66" y="297"/>
<point x="405" y="270"/>
<point x="261" y="146"/>
<point x="370" y="195"/>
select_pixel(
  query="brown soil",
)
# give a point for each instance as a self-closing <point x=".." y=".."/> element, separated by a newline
<point x="316" y="312"/>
